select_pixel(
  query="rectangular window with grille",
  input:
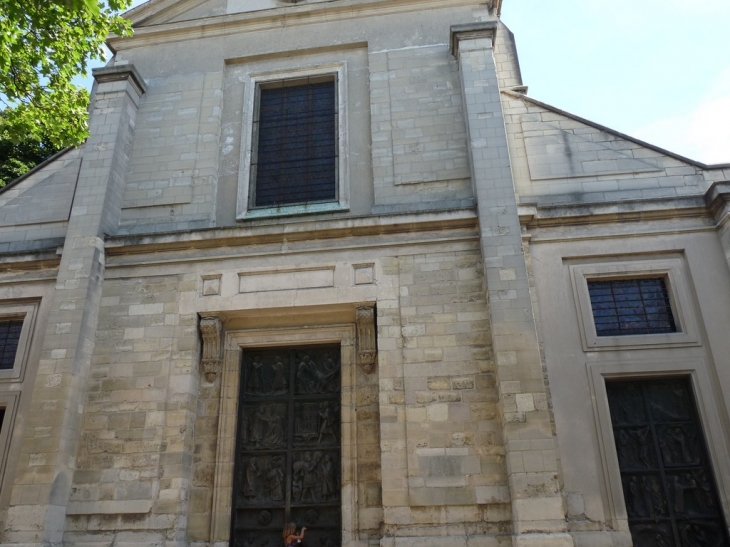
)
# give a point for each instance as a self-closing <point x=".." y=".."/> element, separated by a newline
<point x="295" y="148"/>
<point x="631" y="306"/>
<point x="9" y="338"/>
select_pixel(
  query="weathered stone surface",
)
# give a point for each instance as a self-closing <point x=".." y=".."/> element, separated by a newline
<point x="468" y="217"/>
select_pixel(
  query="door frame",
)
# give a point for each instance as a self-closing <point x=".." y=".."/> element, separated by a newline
<point x="708" y="411"/>
<point x="236" y="342"/>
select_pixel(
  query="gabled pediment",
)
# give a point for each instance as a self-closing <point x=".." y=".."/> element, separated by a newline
<point x="560" y="153"/>
<point x="158" y="12"/>
<point x="559" y="145"/>
<point x="155" y="12"/>
<point x="44" y="195"/>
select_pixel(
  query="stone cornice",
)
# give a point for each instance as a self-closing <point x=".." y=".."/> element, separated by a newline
<point x="119" y="73"/>
<point x="472" y="31"/>
<point x="29" y="267"/>
<point x="273" y="19"/>
<point x="717" y="199"/>
<point x="285" y="234"/>
<point x="151" y="12"/>
<point x="580" y="214"/>
<point x="714" y="204"/>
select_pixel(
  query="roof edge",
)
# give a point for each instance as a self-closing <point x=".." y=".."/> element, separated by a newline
<point x="37" y="168"/>
<point x="517" y="95"/>
<point x="152" y="8"/>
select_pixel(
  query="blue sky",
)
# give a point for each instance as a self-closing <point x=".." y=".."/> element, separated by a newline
<point x="658" y="70"/>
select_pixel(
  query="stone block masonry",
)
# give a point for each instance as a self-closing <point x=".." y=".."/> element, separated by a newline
<point x="444" y="471"/>
<point x="538" y="515"/>
<point x="134" y="467"/>
<point x="40" y="495"/>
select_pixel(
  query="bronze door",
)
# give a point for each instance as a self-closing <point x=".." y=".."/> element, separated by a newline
<point x="288" y="447"/>
<point x="669" y="488"/>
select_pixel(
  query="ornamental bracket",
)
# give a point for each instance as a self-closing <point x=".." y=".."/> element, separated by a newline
<point x="211" y="329"/>
<point x="367" y="350"/>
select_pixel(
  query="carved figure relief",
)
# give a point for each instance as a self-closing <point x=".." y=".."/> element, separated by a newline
<point x="316" y="423"/>
<point x="288" y="438"/>
<point x="633" y="449"/>
<point x="678" y="446"/>
<point x="670" y="497"/>
<point x="266" y="375"/>
<point x="314" y="477"/>
<point x="263" y="479"/>
<point x="264" y="426"/>
<point x="317" y="377"/>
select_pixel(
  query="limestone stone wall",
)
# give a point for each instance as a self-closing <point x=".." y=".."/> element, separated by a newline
<point x="173" y="164"/>
<point x="34" y="210"/>
<point x="443" y="457"/>
<point x="426" y="446"/>
<point x="123" y="437"/>
<point x="560" y="159"/>
<point x="406" y="132"/>
<point x="133" y="468"/>
<point x="418" y="130"/>
<point x="692" y="260"/>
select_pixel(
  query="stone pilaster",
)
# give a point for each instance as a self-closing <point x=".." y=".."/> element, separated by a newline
<point x="40" y="495"/>
<point x="718" y="202"/>
<point x="538" y="515"/>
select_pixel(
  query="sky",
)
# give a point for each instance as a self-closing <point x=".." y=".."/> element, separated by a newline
<point x="658" y="70"/>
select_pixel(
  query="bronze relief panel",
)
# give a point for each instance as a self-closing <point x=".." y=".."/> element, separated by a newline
<point x="670" y="494"/>
<point x="288" y="447"/>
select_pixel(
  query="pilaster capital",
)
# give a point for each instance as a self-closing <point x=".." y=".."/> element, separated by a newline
<point x="119" y="73"/>
<point x="717" y="199"/>
<point x="472" y="36"/>
<point x="211" y="330"/>
<point x="367" y="350"/>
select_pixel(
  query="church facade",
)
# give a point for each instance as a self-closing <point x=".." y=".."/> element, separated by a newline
<point x="326" y="262"/>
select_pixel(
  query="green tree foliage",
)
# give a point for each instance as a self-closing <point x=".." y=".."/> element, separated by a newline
<point x="43" y="45"/>
<point x="17" y="158"/>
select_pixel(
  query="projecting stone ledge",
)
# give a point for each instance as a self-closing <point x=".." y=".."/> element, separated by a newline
<point x="472" y="31"/>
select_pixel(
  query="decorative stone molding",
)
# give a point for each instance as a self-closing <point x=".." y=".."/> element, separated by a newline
<point x="120" y="73"/>
<point x="495" y="7"/>
<point x="472" y="31"/>
<point x="211" y="329"/>
<point x="367" y="350"/>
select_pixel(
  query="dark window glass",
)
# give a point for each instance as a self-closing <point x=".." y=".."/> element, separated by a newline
<point x="631" y="306"/>
<point x="9" y="337"/>
<point x="296" y="156"/>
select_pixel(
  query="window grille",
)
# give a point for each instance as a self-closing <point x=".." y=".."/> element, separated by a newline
<point x="295" y="131"/>
<point x="631" y="306"/>
<point x="9" y="337"/>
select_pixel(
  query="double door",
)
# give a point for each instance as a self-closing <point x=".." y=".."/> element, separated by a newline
<point x="668" y="484"/>
<point x="287" y="465"/>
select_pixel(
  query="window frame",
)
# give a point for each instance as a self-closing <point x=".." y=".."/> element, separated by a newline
<point x="240" y="340"/>
<point x="246" y="186"/>
<point x="672" y="270"/>
<point x="9" y="402"/>
<point x="27" y="314"/>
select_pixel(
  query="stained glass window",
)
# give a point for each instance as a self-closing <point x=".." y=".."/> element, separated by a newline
<point x="631" y="306"/>
<point x="9" y="337"/>
<point x="295" y="160"/>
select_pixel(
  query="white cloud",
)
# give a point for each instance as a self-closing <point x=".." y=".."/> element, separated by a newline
<point x="703" y="133"/>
